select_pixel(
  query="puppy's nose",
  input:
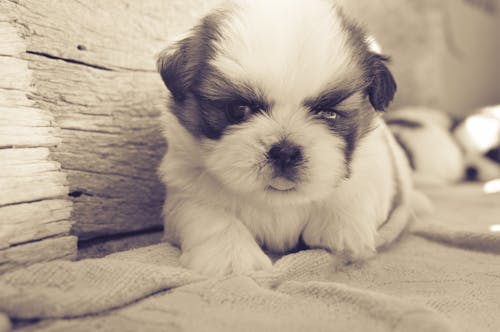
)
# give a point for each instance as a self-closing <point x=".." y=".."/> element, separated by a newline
<point x="471" y="173"/>
<point x="285" y="155"/>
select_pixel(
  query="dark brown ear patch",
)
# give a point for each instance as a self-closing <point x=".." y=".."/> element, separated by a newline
<point x="180" y="64"/>
<point x="176" y="68"/>
<point x="382" y="86"/>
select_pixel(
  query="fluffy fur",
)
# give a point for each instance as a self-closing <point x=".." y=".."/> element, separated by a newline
<point x="424" y="134"/>
<point x="297" y="75"/>
<point x="442" y="150"/>
<point x="479" y="137"/>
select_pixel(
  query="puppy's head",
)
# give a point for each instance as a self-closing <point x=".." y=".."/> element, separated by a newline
<point x="278" y="94"/>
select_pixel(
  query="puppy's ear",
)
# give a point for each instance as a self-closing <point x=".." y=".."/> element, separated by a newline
<point x="382" y="85"/>
<point x="177" y="67"/>
<point x="180" y="64"/>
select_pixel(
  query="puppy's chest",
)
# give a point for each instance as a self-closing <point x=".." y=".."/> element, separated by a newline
<point x="277" y="229"/>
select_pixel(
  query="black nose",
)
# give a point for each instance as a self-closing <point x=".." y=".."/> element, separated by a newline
<point x="471" y="173"/>
<point x="285" y="156"/>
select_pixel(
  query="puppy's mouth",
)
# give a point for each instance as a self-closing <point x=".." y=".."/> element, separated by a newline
<point x="281" y="185"/>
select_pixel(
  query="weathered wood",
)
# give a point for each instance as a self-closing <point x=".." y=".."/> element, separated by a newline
<point x="34" y="221"/>
<point x="27" y="175"/>
<point x="111" y="143"/>
<point x="96" y="75"/>
<point x="115" y="35"/>
<point x="38" y="251"/>
<point x="32" y="188"/>
<point x="34" y="206"/>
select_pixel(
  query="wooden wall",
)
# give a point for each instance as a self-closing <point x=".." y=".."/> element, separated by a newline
<point x="34" y="207"/>
<point x="79" y="132"/>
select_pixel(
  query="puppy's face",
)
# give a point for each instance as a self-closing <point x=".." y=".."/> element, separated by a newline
<point x="278" y="94"/>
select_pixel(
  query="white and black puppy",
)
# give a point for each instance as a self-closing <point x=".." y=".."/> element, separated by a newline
<point x="424" y="134"/>
<point x="274" y="137"/>
<point x="479" y="137"/>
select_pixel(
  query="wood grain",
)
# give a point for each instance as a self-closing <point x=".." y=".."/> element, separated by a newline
<point x="35" y="210"/>
<point x="90" y="82"/>
<point x="38" y="251"/>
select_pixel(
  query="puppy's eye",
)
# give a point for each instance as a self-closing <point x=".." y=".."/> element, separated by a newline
<point x="238" y="112"/>
<point x="329" y="115"/>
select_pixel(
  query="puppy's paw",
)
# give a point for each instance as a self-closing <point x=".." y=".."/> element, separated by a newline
<point x="229" y="252"/>
<point x="352" y="241"/>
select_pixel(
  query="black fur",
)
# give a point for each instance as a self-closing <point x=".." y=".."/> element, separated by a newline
<point x="408" y="152"/>
<point x="411" y="124"/>
<point x="494" y="154"/>
<point x="285" y="157"/>
<point x="455" y="122"/>
<point x="471" y="173"/>
<point x="351" y="125"/>
<point x="181" y="64"/>
<point x="200" y="92"/>
<point x="382" y="86"/>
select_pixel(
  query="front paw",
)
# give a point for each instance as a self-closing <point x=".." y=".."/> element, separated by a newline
<point x="228" y="253"/>
<point x="352" y="241"/>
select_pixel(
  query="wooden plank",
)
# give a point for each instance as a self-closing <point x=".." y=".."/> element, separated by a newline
<point x="15" y="73"/>
<point x="21" y="156"/>
<point x="34" y="221"/>
<point x="111" y="202"/>
<point x="25" y="116"/>
<point x="29" y="168"/>
<point x="95" y="75"/>
<point x="10" y="42"/>
<point x="33" y="187"/>
<point x="35" y="210"/>
<point x="28" y="136"/>
<point x="118" y="35"/>
<point x="111" y="146"/>
<point x="27" y="233"/>
<point x="14" y="99"/>
<point x="40" y="251"/>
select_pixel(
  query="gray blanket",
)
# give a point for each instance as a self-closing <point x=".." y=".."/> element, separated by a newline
<point x="442" y="276"/>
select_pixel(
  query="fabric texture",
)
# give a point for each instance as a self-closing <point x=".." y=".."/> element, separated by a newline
<point x="440" y="276"/>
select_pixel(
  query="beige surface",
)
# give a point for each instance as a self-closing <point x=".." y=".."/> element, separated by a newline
<point x="415" y="285"/>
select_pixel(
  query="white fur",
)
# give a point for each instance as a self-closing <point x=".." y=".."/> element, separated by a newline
<point x="205" y="218"/>
<point x="347" y="220"/>
<point x="218" y="205"/>
<point x="269" y="44"/>
<point x="437" y="157"/>
<point x="239" y="159"/>
<point x="478" y="133"/>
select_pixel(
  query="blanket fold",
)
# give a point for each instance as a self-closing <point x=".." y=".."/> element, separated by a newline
<point x="439" y="277"/>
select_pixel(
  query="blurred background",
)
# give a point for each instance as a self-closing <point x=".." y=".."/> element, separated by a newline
<point x="444" y="53"/>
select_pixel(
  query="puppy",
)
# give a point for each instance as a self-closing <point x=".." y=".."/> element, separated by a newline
<point x="424" y="134"/>
<point x="275" y="137"/>
<point x="479" y="137"/>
